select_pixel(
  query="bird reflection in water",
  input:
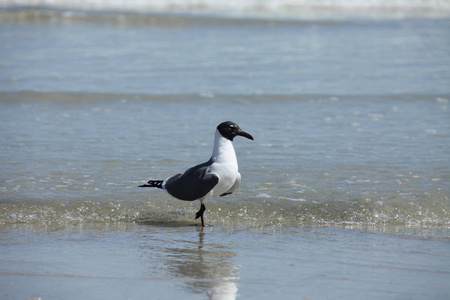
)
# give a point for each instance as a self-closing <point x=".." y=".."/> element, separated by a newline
<point x="203" y="268"/>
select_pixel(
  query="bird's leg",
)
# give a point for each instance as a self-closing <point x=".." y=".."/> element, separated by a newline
<point x="200" y="214"/>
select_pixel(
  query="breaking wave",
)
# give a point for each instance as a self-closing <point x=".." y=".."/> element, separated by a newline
<point x="256" y="212"/>
<point x="244" y="7"/>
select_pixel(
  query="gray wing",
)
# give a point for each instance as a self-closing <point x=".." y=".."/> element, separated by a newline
<point x="193" y="184"/>
<point x="234" y="186"/>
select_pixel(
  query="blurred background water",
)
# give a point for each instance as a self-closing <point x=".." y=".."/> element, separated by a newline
<point x="347" y="101"/>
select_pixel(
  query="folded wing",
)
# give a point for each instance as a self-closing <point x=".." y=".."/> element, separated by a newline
<point x="193" y="184"/>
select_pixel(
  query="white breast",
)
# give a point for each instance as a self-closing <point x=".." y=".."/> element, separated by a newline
<point x="224" y="164"/>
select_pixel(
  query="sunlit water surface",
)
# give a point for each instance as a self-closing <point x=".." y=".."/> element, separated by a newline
<point x="345" y="190"/>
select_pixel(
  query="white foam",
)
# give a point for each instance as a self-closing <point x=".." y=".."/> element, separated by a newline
<point x="239" y="6"/>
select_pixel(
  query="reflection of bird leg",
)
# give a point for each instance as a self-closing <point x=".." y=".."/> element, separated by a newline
<point x="200" y="214"/>
<point x="201" y="236"/>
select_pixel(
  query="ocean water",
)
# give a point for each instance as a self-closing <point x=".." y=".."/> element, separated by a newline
<point x="345" y="190"/>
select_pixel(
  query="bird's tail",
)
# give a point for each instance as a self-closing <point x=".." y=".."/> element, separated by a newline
<point x="153" y="183"/>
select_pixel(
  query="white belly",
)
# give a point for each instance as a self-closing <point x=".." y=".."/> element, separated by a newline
<point x="227" y="177"/>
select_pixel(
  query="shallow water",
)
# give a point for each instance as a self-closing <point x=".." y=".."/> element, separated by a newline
<point x="345" y="190"/>
<point x="155" y="54"/>
<point x="343" y="161"/>
<point x="165" y="262"/>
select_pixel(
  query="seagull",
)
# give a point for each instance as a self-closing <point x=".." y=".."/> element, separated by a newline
<point x="218" y="176"/>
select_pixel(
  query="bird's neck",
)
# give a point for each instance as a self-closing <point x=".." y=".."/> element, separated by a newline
<point x="223" y="151"/>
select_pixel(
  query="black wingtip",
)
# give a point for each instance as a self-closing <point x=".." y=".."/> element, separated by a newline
<point x="153" y="183"/>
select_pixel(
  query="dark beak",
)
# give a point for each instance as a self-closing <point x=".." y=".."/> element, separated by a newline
<point x="245" y="134"/>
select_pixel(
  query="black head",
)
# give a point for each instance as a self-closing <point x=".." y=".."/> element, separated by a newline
<point x="230" y="130"/>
